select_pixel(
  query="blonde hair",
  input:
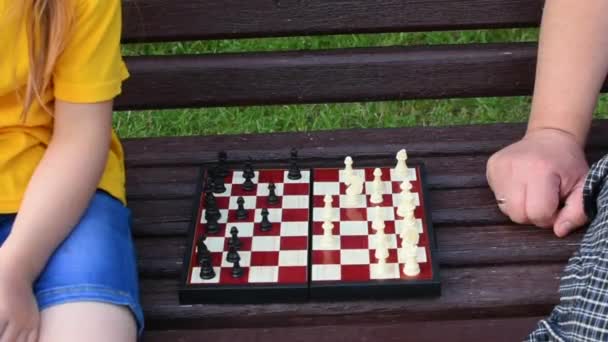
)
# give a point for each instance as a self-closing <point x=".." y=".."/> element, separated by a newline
<point x="48" y="23"/>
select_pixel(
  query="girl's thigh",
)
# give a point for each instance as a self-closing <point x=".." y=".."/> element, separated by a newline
<point x="96" y="263"/>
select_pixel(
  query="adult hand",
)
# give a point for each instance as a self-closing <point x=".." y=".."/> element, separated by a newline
<point x="532" y="177"/>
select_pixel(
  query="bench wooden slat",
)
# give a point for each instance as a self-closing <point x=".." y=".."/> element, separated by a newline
<point x="367" y="74"/>
<point x="443" y="173"/>
<point x="496" y="330"/>
<point x="468" y="293"/>
<point x="460" y="246"/>
<point x="330" y="147"/>
<point x="169" y="20"/>
<point x="457" y="206"/>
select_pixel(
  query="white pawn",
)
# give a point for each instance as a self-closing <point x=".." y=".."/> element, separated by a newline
<point x="409" y="233"/>
<point x="410" y="267"/>
<point x="328" y="240"/>
<point x="348" y="170"/>
<point x="327" y="209"/>
<point x="401" y="167"/>
<point x="378" y="221"/>
<point x="381" y="252"/>
<point x="406" y="199"/>
<point x="377" y="192"/>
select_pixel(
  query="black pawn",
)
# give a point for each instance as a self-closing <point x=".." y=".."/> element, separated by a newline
<point x="222" y="168"/>
<point x="219" y="185"/>
<point x="241" y="212"/>
<point x="212" y="225"/>
<point x="248" y="170"/>
<point x="294" y="169"/>
<point x="211" y="209"/>
<point x="248" y="184"/>
<point x="232" y="254"/>
<point x="234" y="239"/>
<point x="272" y="195"/>
<point x="207" y="271"/>
<point x="265" y="225"/>
<point x="237" y="270"/>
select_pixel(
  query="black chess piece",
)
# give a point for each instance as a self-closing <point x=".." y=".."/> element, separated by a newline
<point x="232" y="254"/>
<point x="219" y="185"/>
<point x="213" y="225"/>
<point x="241" y="212"/>
<point x="294" y="170"/>
<point x="211" y="208"/>
<point x="222" y="168"/>
<point x="202" y="250"/>
<point x="237" y="270"/>
<point x="272" y="195"/>
<point x="207" y="271"/>
<point x="248" y="169"/>
<point x="265" y="224"/>
<point x="234" y="239"/>
<point x="248" y="184"/>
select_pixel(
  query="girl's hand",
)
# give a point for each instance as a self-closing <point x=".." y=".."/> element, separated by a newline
<point x="19" y="316"/>
<point x="534" y="175"/>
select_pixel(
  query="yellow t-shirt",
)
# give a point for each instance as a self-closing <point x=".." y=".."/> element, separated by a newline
<point x="89" y="70"/>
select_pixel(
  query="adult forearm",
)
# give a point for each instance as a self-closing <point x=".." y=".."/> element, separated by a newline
<point x="572" y="65"/>
<point x="57" y="196"/>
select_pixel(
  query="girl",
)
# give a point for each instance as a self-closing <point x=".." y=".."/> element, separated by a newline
<point x="532" y="176"/>
<point x="67" y="264"/>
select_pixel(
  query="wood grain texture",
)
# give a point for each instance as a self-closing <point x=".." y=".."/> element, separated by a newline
<point x="467" y="293"/>
<point x="330" y="147"/>
<point x="344" y="75"/>
<point x="459" y="246"/>
<point x="495" y="330"/>
<point x="171" y="20"/>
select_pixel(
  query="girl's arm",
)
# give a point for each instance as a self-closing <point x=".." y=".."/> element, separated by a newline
<point x="61" y="186"/>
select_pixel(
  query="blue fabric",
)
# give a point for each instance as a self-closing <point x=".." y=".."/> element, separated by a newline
<point x="96" y="262"/>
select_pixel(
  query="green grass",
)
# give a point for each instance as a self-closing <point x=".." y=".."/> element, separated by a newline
<point x="260" y="119"/>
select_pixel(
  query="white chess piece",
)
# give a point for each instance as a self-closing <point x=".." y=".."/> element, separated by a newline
<point x="327" y="209"/>
<point x="353" y="192"/>
<point x="410" y="267"/>
<point x="378" y="220"/>
<point x="401" y="168"/>
<point x="381" y="252"/>
<point x="377" y="190"/>
<point x="406" y="199"/>
<point x="409" y="233"/>
<point x="348" y="170"/>
<point x="328" y="240"/>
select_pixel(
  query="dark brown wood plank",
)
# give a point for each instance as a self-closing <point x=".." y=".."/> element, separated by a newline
<point x="325" y="147"/>
<point x="165" y="20"/>
<point x="448" y="207"/>
<point x="459" y="246"/>
<point x="179" y="182"/>
<point x="467" y="293"/>
<point x="496" y="330"/>
<point x="366" y="74"/>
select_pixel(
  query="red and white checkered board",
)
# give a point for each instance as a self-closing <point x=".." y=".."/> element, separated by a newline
<point x="276" y="257"/>
<point x="350" y="257"/>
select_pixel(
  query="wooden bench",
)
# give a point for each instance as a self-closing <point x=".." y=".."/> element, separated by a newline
<point x="498" y="278"/>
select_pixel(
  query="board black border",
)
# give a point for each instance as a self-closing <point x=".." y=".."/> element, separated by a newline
<point x="387" y="288"/>
<point x="226" y="294"/>
<point x="381" y="289"/>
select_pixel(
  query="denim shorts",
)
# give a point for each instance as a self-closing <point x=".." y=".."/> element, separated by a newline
<point x="96" y="262"/>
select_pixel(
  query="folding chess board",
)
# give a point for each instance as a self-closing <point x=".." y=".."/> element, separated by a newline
<point x="288" y="262"/>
